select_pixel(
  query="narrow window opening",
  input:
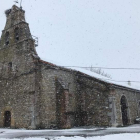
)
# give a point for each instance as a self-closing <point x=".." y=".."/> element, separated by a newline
<point x="17" y="34"/>
<point x="10" y="66"/>
<point x="7" y="38"/>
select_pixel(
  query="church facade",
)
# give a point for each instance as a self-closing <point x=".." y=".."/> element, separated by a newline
<point x="35" y="94"/>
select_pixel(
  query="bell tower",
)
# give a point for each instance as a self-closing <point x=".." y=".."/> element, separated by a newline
<point x="19" y="64"/>
<point x="17" y="45"/>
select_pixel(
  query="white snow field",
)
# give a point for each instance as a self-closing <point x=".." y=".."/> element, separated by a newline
<point x="133" y="136"/>
<point x="85" y="133"/>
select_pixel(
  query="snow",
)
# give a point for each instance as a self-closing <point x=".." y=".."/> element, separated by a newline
<point x="134" y="136"/>
<point x="85" y="133"/>
<point x="109" y="137"/>
<point x="105" y="79"/>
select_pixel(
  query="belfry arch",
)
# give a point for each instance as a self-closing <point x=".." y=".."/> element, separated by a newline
<point x="16" y="32"/>
<point x="124" y="110"/>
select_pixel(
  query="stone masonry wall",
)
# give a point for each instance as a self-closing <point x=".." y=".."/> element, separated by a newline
<point x="132" y="98"/>
<point x="16" y="97"/>
<point x="93" y="100"/>
<point x="48" y="94"/>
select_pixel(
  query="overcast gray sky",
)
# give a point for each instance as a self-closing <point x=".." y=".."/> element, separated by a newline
<point x="104" y="33"/>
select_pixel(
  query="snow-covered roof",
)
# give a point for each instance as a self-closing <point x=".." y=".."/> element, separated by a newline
<point x="108" y="80"/>
<point x="133" y="85"/>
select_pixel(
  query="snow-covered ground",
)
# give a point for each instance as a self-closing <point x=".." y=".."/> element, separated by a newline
<point x="85" y="133"/>
<point x="134" y="136"/>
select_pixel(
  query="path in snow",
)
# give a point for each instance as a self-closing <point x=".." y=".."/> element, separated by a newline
<point x="17" y="133"/>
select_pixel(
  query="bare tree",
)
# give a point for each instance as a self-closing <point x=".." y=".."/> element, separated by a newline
<point x="99" y="71"/>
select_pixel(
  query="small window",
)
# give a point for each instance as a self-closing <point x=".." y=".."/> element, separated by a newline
<point x="17" y="34"/>
<point x="7" y="38"/>
<point x="10" y="66"/>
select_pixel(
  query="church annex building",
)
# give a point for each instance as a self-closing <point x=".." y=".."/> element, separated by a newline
<point x="37" y="94"/>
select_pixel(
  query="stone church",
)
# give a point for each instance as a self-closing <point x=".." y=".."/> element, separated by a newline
<point x="35" y="94"/>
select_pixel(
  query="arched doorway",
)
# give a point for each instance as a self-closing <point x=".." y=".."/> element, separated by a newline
<point x="139" y="108"/>
<point x="124" y="110"/>
<point x="7" y="119"/>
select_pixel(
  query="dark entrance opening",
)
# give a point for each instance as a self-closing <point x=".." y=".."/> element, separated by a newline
<point x="124" y="110"/>
<point x="81" y="118"/>
<point x="7" y="119"/>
